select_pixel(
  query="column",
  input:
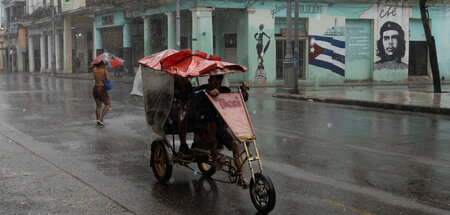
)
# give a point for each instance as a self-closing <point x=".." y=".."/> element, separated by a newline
<point x="30" y="53"/>
<point x="98" y="41"/>
<point x="19" y="55"/>
<point x="288" y="63"/>
<point x="202" y="31"/>
<point x="58" y="52"/>
<point x="49" y="51"/>
<point x="68" y="44"/>
<point x="147" y="36"/>
<point x="43" y="52"/>
<point x="171" y="31"/>
<point x="127" y="51"/>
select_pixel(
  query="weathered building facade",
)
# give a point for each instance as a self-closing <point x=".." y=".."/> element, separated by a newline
<point x="339" y="40"/>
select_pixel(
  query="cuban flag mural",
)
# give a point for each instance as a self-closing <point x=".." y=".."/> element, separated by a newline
<point x="327" y="53"/>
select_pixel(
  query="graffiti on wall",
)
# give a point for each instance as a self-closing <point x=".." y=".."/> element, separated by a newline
<point x="327" y="44"/>
<point x="302" y="9"/>
<point x="261" y="48"/>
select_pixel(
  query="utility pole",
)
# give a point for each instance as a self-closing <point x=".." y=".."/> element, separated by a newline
<point x="297" y="48"/>
<point x="178" y="33"/>
<point x="288" y="64"/>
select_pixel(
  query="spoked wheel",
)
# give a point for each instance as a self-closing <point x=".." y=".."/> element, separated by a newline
<point x="262" y="193"/>
<point x="206" y="169"/>
<point x="159" y="162"/>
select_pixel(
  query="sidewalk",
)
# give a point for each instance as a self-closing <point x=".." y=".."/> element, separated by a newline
<point x="412" y="96"/>
<point x="88" y="76"/>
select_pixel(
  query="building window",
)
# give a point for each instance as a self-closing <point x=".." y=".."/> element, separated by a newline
<point x="108" y="20"/>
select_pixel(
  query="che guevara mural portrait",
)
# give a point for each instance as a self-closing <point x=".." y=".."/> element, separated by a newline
<point x="390" y="47"/>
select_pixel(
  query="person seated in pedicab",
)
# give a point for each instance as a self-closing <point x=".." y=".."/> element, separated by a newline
<point x="209" y="127"/>
<point x="178" y="113"/>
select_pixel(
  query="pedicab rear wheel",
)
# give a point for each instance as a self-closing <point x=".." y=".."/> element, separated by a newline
<point x="206" y="169"/>
<point x="162" y="169"/>
<point x="262" y="193"/>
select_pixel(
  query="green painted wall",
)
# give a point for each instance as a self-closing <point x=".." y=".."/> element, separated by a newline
<point x="359" y="49"/>
<point x="390" y="75"/>
<point x="202" y="31"/>
<point x="242" y="48"/>
<point x="416" y="31"/>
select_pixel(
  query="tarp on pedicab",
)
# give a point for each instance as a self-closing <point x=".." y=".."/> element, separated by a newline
<point x="158" y="82"/>
<point x="151" y="61"/>
<point x="188" y="65"/>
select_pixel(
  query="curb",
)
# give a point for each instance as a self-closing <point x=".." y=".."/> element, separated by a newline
<point x="268" y="85"/>
<point x="372" y="104"/>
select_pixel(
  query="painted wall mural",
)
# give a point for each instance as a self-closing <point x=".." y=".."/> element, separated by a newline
<point x="391" y="21"/>
<point x="391" y="47"/>
<point x="327" y="43"/>
<point x="260" y="74"/>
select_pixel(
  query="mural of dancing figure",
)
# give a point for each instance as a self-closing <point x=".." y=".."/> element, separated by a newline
<point x="260" y="75"/>
<point x="391" y="47"/>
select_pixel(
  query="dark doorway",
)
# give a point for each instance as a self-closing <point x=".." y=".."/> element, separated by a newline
<point x="230" y="48"/>
<point x="37" y="60"/>
<point x="418" y="58"/>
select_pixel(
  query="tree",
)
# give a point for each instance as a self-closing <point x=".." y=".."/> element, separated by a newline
<point x="431" y="45"/>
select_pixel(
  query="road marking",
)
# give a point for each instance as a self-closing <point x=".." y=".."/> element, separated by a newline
<point x="348" y="207"/>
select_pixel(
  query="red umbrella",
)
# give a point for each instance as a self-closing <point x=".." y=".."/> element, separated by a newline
<point x="186" y="64"/>
<point x="152" y="61"/>
<point x="108" y="57"/>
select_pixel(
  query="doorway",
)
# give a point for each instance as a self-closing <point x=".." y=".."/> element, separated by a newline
<point x="418" y="58"/>
<point x="230" y="54"/>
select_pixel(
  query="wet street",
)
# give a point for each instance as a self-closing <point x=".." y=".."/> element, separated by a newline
<point x="322" y="158"/>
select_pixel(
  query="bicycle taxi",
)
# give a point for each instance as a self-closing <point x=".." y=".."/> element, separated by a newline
<point x="158" y="72"/>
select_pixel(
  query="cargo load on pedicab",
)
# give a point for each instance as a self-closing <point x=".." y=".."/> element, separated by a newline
<point x="157" y="79"/>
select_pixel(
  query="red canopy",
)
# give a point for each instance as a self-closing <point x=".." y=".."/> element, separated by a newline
<point x="152" y="61"/>
<point x="186" y="64"/>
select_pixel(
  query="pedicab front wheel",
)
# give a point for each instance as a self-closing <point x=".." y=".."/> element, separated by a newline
<point x="162" y="169"/>
<point x="262" y="193"/>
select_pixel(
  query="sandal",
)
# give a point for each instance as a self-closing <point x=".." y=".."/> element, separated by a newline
<point x="100" y="123"/>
